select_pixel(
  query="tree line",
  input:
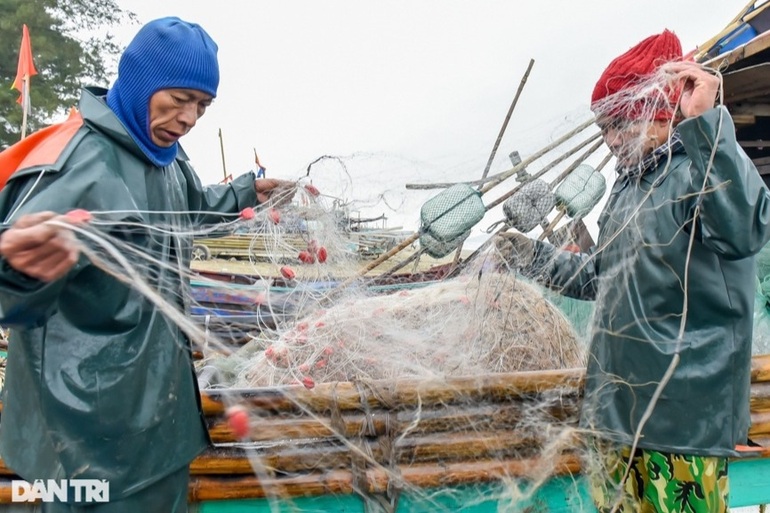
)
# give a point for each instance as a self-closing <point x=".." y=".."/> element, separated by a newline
<point x="71" y="46"/>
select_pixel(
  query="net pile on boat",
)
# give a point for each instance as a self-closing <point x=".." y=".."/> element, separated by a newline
<point x="444" y="384"/>
<point x="471" y="325"/>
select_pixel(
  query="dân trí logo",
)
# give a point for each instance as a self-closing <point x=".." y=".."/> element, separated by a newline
<point x="62" y="490"/>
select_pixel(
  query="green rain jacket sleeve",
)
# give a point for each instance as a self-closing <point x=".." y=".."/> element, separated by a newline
<point x="734" y="203"/>
<point x="209" y="203"/>
<point x="570" y="274"/>
<point x="25" y="301"/>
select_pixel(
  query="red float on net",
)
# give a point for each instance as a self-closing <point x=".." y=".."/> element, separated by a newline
<point x="312" y="190"/>
<point x="238" y="420"/>
<point x="79" y="215"/>
<point x="306" y="257"/>
<point x="287" y="272"/>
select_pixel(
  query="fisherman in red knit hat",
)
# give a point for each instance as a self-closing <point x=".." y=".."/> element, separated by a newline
<point x="673" y="280"/>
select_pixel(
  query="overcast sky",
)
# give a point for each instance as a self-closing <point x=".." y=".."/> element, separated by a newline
<point x="407" y="91"/>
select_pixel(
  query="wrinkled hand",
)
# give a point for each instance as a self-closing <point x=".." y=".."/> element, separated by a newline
<point x="39" y="249"/>
<point x="699" y="87"/>
<point x="274" y="192"/>
<point x="514" y="250"/>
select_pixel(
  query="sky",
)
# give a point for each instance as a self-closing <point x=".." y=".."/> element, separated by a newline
<point x="407" y="91"/>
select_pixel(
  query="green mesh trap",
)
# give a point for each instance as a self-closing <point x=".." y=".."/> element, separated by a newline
<point x="438" y="249"/>
<point x="580" y="191"/>
<point x="451" y="213"/>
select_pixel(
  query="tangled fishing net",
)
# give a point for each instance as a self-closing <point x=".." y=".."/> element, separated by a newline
<point x="459" y="327"/>
<point x="432" y="369"/>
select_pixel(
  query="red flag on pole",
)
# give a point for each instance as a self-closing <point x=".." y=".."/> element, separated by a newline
<point x="26" y="67"/>
<point x="24" y="71"/>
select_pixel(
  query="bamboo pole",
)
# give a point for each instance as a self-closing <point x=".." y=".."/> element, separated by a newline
<point x="402" y="393"/>
<point x="411" y="392"/>
<point x="500" y="177"/>
<point x="25" y="104"/>
<point x="507" y="118"/>
<point x="443" y="419"/>
<point x="222" y="151"/>
<point x="760" y="397"/>
<point x="316" y="456"/>
<point x="345" y="482"/>
<point x="760" y="424"/>
<point x="548" y="230"/>
<point x="545" y="169"/>
<point x="548" y="227"/>
<point x="486" y="188"/>
<point x="760" y="369"/>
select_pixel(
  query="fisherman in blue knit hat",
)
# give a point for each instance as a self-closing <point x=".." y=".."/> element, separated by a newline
<point x="99" y="384"/>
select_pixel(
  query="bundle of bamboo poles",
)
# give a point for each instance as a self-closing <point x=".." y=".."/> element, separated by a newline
<point x="367" y="438"/>
<point x="257" y="246"/>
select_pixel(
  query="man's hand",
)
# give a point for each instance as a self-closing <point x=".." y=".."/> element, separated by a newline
<point x="275" y="192"/>
<point x="514" y="250"/>
<point x="699" y="87"/>
<point x="38" y="249"/>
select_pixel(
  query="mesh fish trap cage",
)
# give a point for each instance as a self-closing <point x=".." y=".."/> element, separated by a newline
<point x="453" y="212"/>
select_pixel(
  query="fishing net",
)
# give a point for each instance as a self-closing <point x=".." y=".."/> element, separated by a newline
<point x="459" y="327"/>
<point x="348" y="360"/>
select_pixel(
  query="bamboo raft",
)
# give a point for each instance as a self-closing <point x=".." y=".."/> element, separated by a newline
<point x="359" y="441"/>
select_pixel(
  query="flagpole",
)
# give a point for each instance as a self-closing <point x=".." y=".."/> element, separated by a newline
<point x="24" y="105"/>
<point x="24" y="72"/>
<point x="222" y="150"/>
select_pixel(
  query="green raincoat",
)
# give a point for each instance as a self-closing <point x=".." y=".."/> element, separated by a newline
<point x="649" y="283"/>
<point x="99" y="384"/>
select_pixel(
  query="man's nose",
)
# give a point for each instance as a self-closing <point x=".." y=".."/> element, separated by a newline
<point x="188" y="115"/>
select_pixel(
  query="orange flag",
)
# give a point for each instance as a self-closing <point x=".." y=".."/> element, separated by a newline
<point x="25" y="70"/>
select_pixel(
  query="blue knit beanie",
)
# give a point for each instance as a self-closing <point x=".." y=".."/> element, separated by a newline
<point x="166" y="53"/>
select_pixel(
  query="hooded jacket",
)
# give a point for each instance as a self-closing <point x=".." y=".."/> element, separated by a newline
<point x="99" y="384"/>
<point x="659" y="295"/>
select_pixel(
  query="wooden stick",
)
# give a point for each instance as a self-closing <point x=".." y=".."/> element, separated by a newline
<point x="582" y="158"/>
<point x="25" y="101"/>
<point x="760" y="369"/>
<point x="760" y="423"/>
<point x="500" y="177"/>
<point x="543" y="171"/>
<point x="526" y="162"/>
<point x="507" y="118"/>
<point x="344" y="396"/>
<point x="345" y="482"/>
<point x="760" y="397"/>
<point x="222" y="151"/>
<point x="549" y="230"/>
<point x="386" y="422"/>
<point x="393" y="270"/>
<point x="317" y="456"/>
<point x="505" y="227"/>
<point x="486" y="188"/>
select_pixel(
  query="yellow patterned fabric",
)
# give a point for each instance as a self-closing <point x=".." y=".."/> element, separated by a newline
<point x="659" y="482"/>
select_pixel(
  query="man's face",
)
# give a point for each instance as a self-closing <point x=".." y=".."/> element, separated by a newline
<point x="630" y="141"/>
<point x="173" y="112"/>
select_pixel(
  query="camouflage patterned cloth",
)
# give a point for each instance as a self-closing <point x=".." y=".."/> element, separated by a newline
<point x="660" y="482"/>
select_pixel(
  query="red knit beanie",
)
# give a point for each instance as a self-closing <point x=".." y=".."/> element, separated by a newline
<point x="631" y="69"/>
